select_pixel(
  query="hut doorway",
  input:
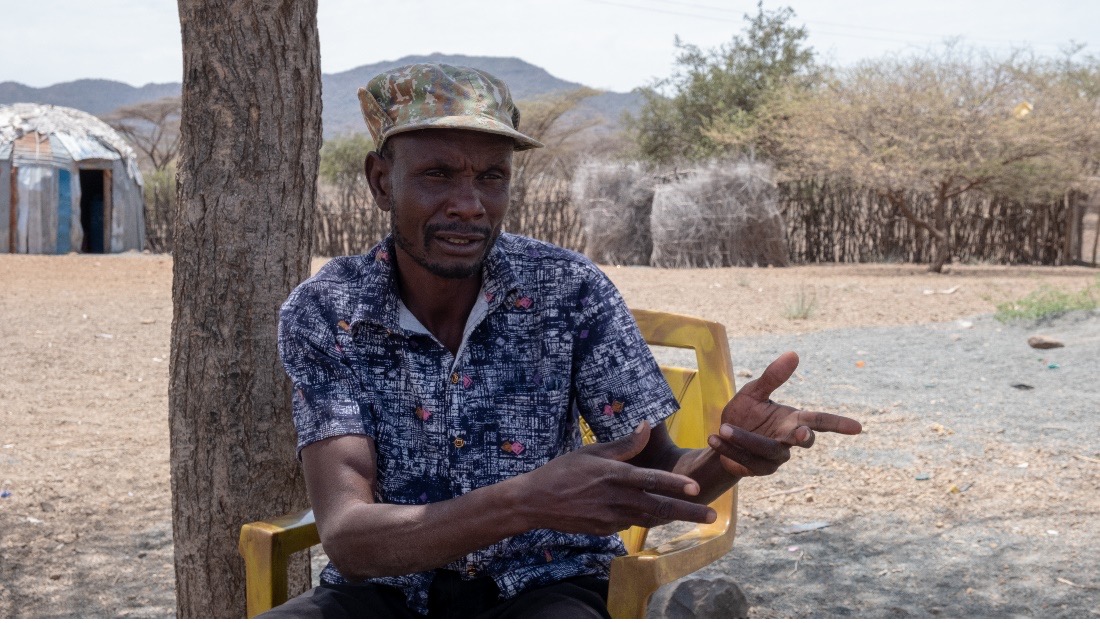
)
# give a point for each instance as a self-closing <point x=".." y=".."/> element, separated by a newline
<point x="95" y="210"/>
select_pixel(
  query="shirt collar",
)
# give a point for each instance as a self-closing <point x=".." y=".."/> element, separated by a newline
<point x="378" y="302"/>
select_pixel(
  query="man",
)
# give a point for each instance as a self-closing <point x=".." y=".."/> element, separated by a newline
<point x="438" y="380"/>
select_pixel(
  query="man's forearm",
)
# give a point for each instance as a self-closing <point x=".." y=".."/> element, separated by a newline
<point x="368" y="540"/>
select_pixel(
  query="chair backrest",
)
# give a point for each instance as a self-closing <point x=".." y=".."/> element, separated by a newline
<point x="702" y="392"/>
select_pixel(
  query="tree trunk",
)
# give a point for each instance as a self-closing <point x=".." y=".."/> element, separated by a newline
<point x="942" y="234"/>
<point x="1096" y="229"/>
<point x="937" y="230"/>
<point x="251" y="133"/>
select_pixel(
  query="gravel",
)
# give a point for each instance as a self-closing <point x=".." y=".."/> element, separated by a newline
<point x="964" y="497"/>
<point x="977" y="376"/>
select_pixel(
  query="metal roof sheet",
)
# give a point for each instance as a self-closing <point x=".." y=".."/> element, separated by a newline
<point x="84" y="136"/>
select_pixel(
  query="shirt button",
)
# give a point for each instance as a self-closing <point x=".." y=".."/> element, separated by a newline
<point x="471" y="570"/>
<point x="459" y="442"/>
<point x="454" y="377"/>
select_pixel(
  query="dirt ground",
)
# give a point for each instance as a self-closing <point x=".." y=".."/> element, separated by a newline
<point x="85" y="526"/>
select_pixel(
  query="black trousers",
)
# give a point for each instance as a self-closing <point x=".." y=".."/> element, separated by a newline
<point x="451" y="597"/>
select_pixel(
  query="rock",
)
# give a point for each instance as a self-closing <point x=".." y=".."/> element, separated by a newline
<point x="1043" y="342"/>
<point x="702" y="595"/>
<point x="745" y="373"/>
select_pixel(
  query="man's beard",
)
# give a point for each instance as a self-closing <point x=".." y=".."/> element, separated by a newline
<point x="444" y="270"/>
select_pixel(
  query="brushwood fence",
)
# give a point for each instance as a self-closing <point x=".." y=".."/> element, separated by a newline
<point x="824" y="221"/>
<point x="835" y="222"/>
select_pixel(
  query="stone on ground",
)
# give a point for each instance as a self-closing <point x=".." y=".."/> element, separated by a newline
<point x="1043" y="342"/>
<point x="700" y="596"/>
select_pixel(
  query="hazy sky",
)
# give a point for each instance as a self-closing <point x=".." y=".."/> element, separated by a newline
<point x="612" y="44"/>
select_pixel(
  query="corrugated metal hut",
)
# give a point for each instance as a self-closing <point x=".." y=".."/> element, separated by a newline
<point x="68" y="182"/>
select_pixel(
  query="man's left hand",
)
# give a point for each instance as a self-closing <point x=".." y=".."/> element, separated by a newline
<point x="757" y="433"/>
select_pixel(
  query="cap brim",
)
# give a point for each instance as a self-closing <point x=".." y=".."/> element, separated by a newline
<point x="469" y="122"/>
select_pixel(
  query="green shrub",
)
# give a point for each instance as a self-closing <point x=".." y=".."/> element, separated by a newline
<point x="1048" y="302"/>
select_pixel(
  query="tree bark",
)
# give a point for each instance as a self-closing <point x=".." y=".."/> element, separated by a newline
<point x="251" y="133"/>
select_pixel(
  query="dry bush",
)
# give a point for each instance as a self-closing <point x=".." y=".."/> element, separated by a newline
<point x="160" y="208"/>
<point x="724" y="214"/>
<point x="541" y="178"/>
<point x="942" y="125"/>
<point x="614" y="200"/>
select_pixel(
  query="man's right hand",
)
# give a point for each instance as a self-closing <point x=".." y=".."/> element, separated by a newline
<point x="593" y="490"/>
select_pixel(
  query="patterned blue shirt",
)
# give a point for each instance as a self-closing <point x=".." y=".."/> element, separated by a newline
<point x="549" y="333"/>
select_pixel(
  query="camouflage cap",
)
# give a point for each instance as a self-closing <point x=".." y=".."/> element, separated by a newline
<point x="422" y="96"/>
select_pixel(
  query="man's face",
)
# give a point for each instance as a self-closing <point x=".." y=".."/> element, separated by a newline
<point x="448" y="194"/>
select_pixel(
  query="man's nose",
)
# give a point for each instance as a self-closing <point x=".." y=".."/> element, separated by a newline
<point x="465" y="202"/>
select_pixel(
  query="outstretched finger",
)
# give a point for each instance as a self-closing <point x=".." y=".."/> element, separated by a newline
<point x="774" y="375"/>
<point x="810" y="421"/>
<point x="829" y="423"/>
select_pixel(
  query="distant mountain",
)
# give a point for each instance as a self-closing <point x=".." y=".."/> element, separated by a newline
<point x="341" y="113"/>
<point x="98" y="97"/>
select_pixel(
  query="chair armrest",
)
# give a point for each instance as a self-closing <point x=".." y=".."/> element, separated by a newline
<point x="266" y="546"/>
<point x="635" y="577"/>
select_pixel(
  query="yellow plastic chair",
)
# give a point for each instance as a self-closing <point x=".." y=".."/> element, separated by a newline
<point x="266" y="545"/>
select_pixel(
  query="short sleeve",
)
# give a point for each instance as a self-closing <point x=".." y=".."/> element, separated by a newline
<point x="315" y="347"/>
<point x="618" y="383"/>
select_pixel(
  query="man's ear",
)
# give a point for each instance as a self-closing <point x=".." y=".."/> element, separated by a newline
<point x="377" y="170"/>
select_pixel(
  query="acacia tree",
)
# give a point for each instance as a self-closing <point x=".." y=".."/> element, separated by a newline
<point x="251" y="132"/>
<point x="944" y="123"/>
<point x="153" y="129"/>
<point x="541" y="178"/>
<point x="722" y="90"/>
<point x="1073" y="82"/>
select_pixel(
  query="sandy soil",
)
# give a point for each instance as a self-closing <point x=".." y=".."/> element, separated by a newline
<point x="85" y="520"/>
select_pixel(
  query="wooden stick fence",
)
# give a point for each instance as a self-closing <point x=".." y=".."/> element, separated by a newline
<point x="825" y="222"/>
<point x="833" y="222"/>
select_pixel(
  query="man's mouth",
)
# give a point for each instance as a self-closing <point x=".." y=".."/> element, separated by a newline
<point x="458" y="236"/>
<point x="459" y="241"/>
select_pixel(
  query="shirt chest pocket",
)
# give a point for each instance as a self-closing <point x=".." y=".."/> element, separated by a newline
<point x="530" y="431"/>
